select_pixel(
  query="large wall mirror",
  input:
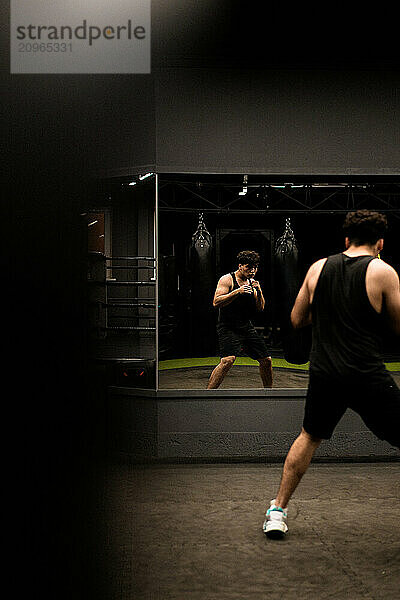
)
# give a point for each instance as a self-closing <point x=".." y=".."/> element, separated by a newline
<point x="204" y="221"/>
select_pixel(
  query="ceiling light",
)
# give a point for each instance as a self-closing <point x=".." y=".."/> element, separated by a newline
<point x="244" y="190"/>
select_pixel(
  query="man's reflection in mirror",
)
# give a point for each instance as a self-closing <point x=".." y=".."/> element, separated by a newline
<point x="237" y="295"/>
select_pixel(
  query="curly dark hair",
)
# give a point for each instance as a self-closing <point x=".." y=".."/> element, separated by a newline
<point x="364" y="227"/>
<point x="248" y="257"/>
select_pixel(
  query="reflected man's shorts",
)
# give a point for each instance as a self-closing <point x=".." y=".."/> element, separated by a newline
<point x="236" y="340"/>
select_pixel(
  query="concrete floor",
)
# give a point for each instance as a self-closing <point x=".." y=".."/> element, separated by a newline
<point x="193" y="532"/>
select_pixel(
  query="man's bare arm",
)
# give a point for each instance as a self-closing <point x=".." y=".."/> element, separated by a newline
<point x="391" y="298"/>
<point x="258" y="295"/>
<point x="301" y="311"/>
<point x="223" y="296"/>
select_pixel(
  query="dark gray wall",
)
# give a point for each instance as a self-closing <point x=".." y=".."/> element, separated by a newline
<point x="81" y="125"/>
<point x="286" y="121"/>
<point x="228" y="92"/>
<point x="261" y="88"/>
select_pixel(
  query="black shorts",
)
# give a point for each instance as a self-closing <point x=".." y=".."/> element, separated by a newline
<point x="235" y="340"/>
<point x="375" y="398"/>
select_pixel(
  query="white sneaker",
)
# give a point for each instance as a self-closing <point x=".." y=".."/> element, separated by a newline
<point x="274" y="525"/>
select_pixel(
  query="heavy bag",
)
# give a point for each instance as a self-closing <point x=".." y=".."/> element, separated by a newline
<point x="202" y="288"/>
<point x="296" y="342"/>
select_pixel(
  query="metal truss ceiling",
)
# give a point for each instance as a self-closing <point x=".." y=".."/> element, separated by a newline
<point x="277" y="198"/>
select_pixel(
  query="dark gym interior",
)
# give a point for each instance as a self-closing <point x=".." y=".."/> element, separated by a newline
<point x="123" y="486"/>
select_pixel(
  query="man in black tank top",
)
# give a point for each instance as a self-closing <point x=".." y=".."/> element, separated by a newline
<point x="349" y="298"/>
<point x="236" y="297"/>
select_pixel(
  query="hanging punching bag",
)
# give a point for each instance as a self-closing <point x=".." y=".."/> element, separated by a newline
<point x="202" y="288"/>
<point x="296" y="342"/>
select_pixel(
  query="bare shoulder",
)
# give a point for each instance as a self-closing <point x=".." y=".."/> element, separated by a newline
<point x="312" y="276"/>
<point x="315" y="269"/>
<point x="380" y="270"/>
<point x="317" y="266"/>
<point x="227" y="278"/>
<point x="225" y="281"/>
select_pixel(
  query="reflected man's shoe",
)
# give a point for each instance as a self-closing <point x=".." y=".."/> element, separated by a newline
<point x="274" y="525"/>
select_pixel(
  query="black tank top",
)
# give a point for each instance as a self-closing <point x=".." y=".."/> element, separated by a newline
<point x="239" y="311"/>
<point x="347" y="331"/>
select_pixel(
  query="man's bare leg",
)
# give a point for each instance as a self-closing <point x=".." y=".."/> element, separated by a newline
<point x="217" y="376"/>
<point x="296" y="464"/>
<point x="265" y="365"/>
